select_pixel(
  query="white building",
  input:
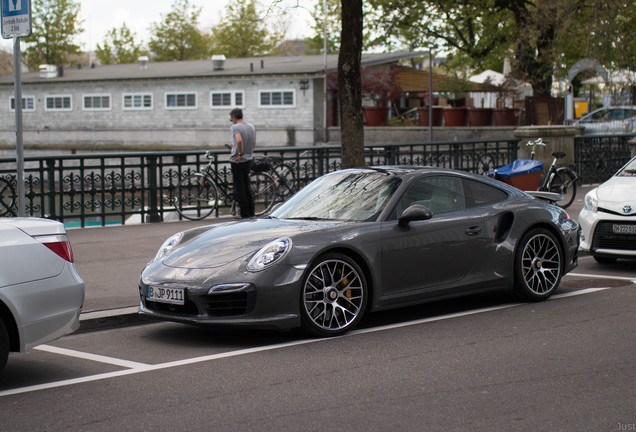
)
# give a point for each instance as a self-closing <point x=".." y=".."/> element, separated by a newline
<point x="170" y="105"/>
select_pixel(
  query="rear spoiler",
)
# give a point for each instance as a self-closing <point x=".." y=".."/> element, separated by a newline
<point x="551" y="197"/>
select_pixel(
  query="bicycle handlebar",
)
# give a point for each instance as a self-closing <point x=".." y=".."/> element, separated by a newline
<point x="538" y="141"/>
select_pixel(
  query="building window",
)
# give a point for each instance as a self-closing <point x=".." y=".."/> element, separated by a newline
<point x="181" y="100"/>
<point x="277" y="98"/>
<point x="229" y="99"/>
<point x="28" y="103"/>
<point x="137" y="101"/>
<point x="99" y="102"/>
<point x="59" y="103"/>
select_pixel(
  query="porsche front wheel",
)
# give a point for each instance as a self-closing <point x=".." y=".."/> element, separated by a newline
<point x="334" y="296"/>
<point x="538" y="265"/>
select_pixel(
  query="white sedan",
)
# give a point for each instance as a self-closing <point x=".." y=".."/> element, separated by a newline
<point x="608" y="218"/>
<point x="41" y="294"/>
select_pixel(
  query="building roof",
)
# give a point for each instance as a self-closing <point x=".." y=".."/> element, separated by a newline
<point x="416" y="80"/>
<point x="310" y="65"/>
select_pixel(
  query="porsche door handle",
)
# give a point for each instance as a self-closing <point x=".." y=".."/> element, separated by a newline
<point x="473" y="230"/>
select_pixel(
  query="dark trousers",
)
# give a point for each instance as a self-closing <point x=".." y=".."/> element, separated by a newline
<point x="242" y="192"/>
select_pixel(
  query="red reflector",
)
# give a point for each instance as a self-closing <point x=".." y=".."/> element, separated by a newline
<point x="58" y="244"/>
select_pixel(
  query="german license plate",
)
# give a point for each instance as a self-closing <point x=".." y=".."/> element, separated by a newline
<point x="166" y="295"/>
<point x="624" y="229"/>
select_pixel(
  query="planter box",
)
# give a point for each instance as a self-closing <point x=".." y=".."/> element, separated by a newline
<point x="480" y="116"/>
<point x="455" y="116"/>
<point x="423" y="116"/>
<point x="375" y="116"/>
<point x="505" y="117"/>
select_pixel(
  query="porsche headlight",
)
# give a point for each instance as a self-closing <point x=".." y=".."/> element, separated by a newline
<point x="269" y="254"/>
<point x="167" y="246"/>
<point x="591" y="201"/>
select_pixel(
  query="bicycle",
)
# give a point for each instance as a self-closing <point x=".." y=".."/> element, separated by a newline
<point x="560" y="180"/>
<point x="283" y="173"/>
<point x="7" y="198"/>
<point x="198" y="194"/>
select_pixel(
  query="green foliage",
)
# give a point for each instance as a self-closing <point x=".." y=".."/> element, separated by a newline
<point x="119" y="47"/>
<point x="543" y="38"/>
<point x="243" y="32"/>
<point x="177" y="36"/>
<point x="332" y="17"/>
<point x="55" y="25"/>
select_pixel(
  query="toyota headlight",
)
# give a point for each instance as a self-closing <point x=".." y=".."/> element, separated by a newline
<point x="167" y="246"/>
<point x="269" y="254"/>
<point x="591" y="201"/>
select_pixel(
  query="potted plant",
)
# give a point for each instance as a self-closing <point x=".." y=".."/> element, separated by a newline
<point x="380" y="87"/>
<point x="456" y="89"/>
<point x="506" y="116"/>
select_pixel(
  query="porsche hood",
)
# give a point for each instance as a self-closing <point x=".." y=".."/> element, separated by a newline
<point x="233" y="242"/>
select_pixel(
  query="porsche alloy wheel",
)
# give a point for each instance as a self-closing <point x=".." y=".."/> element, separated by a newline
<point x="334" y="296"/>
<point x="539" y="265"/>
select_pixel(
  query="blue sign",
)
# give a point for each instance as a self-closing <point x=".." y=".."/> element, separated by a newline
<point x="16" y="18"/>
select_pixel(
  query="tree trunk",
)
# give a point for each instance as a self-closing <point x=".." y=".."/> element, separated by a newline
<point x="349" y="85"/>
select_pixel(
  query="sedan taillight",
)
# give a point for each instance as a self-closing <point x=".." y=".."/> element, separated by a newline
<point x="59" y="244"/>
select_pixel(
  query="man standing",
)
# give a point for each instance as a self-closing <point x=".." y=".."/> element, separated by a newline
<point x="243" y="142"/>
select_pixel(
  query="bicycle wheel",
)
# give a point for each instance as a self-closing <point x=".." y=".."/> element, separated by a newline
<point x="286" y="181"/>
<point x="195" y="197"/>
<point x="564" y="182"/>
<point x="7" y="198"/>
<point x="263" y="189"/>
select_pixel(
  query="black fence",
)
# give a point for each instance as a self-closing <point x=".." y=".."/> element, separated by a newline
<point x="119" y="188"/>
<point x="598" y="157"/>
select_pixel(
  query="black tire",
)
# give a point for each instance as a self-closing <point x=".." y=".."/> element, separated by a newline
<point x="286" y="181"/>
<point x="538" y="265"/>
<point x="263" y="189"/>
<point x="7" y="198"/>
<point x="4" y="345"/>
<point x="196" y="197"/>
<point x="604" y="259"/>
<point x="333" y="297"/>
<point x="564" y="183"/>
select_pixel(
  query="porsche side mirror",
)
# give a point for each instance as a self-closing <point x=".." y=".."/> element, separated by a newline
<point x="414" y="212"/>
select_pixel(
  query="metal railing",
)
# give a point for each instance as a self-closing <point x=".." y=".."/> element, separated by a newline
<point x="120" y="188"/>
<point x="598" y="157"/>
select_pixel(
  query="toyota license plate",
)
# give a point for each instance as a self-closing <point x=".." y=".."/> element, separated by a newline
<point x="166" y="295"/>
<point x="624" y="229"/>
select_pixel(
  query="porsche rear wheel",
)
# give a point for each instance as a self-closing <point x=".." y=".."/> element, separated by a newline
<point x="334" y="296"/>
<point x="4" y="345"/>
<point x="538" y="265"/>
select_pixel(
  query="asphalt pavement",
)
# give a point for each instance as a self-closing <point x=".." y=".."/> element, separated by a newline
<point x="109" y="259"/>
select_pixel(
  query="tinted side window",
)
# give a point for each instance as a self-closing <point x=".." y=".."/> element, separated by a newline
<point x="441" y="194"/>
<point x="481" y="193"/>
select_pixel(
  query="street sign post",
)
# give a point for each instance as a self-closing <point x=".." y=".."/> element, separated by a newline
<point x="16" y="23"/>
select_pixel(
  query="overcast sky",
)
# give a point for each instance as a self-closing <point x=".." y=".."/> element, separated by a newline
<point x="100" y="16"/>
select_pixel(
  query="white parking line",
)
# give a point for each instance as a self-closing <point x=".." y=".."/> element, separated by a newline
<point x="135" y="367"/>
<point x="92" y="357"/>
<point x="597" y="276"/>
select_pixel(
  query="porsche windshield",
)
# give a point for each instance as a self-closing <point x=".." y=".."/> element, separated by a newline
<point x="343" y="195"/>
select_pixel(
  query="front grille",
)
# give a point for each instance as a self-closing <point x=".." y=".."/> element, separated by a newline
<point x="605" y="238"/>
<point x="225" y="304"/>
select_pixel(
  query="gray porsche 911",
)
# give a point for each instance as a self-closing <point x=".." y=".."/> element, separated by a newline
<point x="362" y="240"/>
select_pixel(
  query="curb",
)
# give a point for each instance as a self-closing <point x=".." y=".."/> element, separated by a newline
<point x="112" y="318"/>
